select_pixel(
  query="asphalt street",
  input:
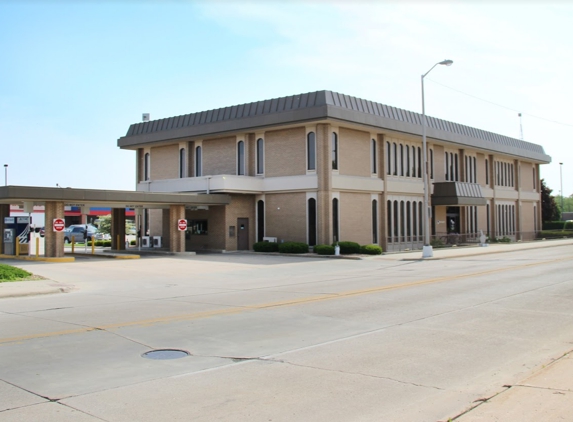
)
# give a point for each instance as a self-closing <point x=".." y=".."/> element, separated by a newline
<point x="274" y="338"/>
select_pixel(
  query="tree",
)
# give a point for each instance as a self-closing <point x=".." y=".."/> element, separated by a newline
<point x="549" y="209"/>
<point x="104" y="224"/>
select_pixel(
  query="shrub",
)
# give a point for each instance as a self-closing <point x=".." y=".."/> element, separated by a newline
<point x="549" y="234"/>
<point x="10" y="273"/>
<point x="106" y="243"/>
<point x="133" y="242"/>
<point x="555" y="225"/>
<point x="293" y="247"/>
<point x="349" y="247"/>
<point x="324" y="249"/>
<point x="437" y="243"/>
<point x="371" y="249"/>
<point x="266" y="247"/>
<point x="503" y="239"/>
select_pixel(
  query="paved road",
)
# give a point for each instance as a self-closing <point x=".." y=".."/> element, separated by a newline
<point x="282" y="339"/>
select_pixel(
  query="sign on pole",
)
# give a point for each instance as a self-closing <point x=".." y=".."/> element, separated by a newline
<point x="59" y="225"/>
<point x="182" y="225"/>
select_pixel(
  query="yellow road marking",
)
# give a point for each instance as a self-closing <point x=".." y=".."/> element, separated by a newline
<point x="300" y="301"/>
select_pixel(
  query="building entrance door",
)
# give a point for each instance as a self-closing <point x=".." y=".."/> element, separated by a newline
<point x="243" y="234"/>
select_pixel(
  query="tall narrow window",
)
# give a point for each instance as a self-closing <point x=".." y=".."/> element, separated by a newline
<point x="311" y="151"/>
<point x="402" y="160"/>
<point x="373" y="152"/>
<point x="389" y="221"/>
<point x="241" y="158"/>
<point x="486" y="172"/>
<point x="431" y="164"/>
<point x="388" y="159"/>
<point x="198" y="162"/>
<point x="182" y="163"/>
<point x="447" y="166"/>
<point x="312" y="222"/>
<point x="534" y="181"/>
<point x="395" y="156"/>
<point x="334" y="151"/>
<point x="457" y="174"/>
<point x="374" y="221"/>
<point x="260" y="220"/>
<point x="260" y="156"/>
<point x="335" y="219"/>
<point x="146" y="166"/>
<point x="474" y="169"/>
<point x="420" y="162"/>
<point x="413" y="174"/>
<point x="407" y="161"/>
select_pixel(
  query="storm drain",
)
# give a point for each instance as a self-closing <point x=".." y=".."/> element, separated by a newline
<point x="165" y="354"/>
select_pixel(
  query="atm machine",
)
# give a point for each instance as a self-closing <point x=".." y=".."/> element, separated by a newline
<point x="9" y="245"/>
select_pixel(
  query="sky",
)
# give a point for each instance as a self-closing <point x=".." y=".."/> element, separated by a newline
<point x="75" y="74"/>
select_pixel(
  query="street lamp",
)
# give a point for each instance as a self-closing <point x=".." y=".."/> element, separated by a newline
<point x="5" y="174"/>
<point x="427" y="251"/>
<point x="561" y="181"/>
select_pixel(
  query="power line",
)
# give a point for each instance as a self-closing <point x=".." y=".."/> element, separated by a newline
<point x="502" y="106"/>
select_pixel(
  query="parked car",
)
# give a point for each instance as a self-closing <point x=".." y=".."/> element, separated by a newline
<point x="102" y="236"/>
<point x="42" y="232"/>
<point x="77" y="231"/>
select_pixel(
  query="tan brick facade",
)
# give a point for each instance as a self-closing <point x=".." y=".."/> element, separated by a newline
<point x="356" y="217"/>
<point x="286" y="217"/>
<point x="220" y="156"/>
<point x="285" y="152"/>
<point x="354" y="153"/>
<point x="165" y="162"/>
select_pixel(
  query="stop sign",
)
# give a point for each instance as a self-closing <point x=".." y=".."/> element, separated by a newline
<point x="59" y="225"/>
<point x="182" y="225"/>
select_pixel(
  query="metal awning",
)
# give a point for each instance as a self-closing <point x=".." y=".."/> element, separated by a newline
<point x="38" y="195"/>
<point x="457" y="193"/>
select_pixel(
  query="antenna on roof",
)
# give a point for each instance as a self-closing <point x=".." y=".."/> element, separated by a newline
<point x="145" y="117"/>
<point x="520" y="126"/>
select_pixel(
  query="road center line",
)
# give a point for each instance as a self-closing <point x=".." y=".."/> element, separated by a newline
<point x="300" y="301"/>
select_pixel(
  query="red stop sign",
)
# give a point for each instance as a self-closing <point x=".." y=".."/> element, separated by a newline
<point x="182" y="225"/>
<point x="59" y="224"/>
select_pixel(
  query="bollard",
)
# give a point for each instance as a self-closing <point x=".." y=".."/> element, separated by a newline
<point x="37" y="247"/>
<point x="117" y="243"/>
<point x="93" y="245"/>
<point x="17" y="246"/>
<point x="73" y="243"/>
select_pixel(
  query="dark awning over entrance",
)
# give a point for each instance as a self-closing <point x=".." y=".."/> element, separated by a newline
<point x="457" y="193"/>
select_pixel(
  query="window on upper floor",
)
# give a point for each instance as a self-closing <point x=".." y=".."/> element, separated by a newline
<point x="260" y="156"/>
<point x="311" y="151"/>
<point x="487" y="172"/>
<point x="182" y="163"/>
<point x="334" y="151"/>
<point x="373" y="156"/>
<point x="198" y="162"/>
<point x="388" y="158"/>
<point x="146" y="166"/>
<point x="241" y="158"/>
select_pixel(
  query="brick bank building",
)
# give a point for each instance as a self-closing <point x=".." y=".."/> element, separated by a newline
<point x="323" y="166"/>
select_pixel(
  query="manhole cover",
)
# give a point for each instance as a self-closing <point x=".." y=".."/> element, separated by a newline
<point x="165" y="354"/>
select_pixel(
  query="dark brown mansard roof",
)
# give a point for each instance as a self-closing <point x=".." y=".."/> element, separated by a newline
<point x="317" y="106"/>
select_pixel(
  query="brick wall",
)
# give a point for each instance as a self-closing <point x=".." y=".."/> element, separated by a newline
<point x="356" y="217"/>
<point x="286" y="216"/>
<point x="215" y="237"/>
<point x="165" y="162"/>
<point x="354" y="153"/>
<point x="285" y="152"/>
<point x="220" y="156"/>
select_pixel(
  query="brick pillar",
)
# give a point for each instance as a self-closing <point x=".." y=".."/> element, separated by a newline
<point x="382" y="207"/>
<point x="54" y="242"/>
<point x="324" y="175"/>
<point x="250" y="149"/>
<point x="118" y="228"/>
<point x="176" y="237"/>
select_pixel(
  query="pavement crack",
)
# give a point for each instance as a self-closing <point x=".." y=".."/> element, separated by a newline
<point x="557" y="390"/>
<point x="356" y="373"/>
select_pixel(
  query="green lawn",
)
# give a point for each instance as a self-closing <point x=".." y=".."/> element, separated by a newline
<point x="10" y="273"/>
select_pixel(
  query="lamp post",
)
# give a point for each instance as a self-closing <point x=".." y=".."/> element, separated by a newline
<point x="427" y="251"/>
<point x="561" y="182"/>
<point x="5" y="174"/>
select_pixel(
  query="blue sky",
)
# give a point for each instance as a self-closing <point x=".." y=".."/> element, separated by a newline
<point x="75" y="75"/>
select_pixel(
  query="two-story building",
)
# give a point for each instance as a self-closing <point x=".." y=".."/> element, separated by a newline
<point x="323" y="166"/>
